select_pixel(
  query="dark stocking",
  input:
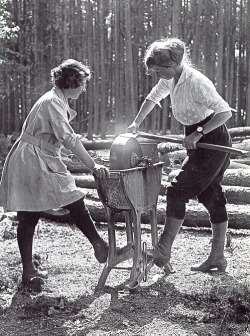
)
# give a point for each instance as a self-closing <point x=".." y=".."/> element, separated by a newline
<point x="84" y="222"/>
<point x="25" y="232"/>
<point x="82" y="219"/>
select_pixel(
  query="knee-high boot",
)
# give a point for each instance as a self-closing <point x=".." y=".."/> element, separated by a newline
<point x="25" y="233"/>
<point x="161" y="253"/>
<point x="216" y="259"/>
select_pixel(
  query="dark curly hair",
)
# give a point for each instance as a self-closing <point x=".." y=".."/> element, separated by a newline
<point x="70" y="74"/>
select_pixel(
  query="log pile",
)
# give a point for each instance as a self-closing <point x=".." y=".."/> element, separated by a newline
<point x="196" y="215"/>
<point x="236" y="185"/>
<point x="232" y="184"/>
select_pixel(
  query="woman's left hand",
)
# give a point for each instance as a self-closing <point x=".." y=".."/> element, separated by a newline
<point x="191" y="140"/>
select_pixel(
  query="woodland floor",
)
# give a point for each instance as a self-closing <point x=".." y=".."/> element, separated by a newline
<point x="183" y="303"/>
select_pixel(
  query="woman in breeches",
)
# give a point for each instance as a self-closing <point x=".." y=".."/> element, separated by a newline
<point x="203" y="112"/>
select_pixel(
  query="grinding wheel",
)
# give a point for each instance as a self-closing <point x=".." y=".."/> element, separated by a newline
<point x="125" y="152"/>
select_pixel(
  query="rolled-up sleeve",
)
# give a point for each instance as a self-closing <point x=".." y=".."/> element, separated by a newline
<point x="159" y="92"/>
<point x="205" y="93"/>
<point x="60" y="125"/>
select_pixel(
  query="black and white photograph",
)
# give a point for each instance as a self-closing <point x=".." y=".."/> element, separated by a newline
<point x="124" y="168"/>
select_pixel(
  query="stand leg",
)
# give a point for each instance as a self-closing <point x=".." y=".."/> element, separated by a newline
<point x="136" y="217"/>
<point x="115" y="256"/>
<point x="112" y="249"/>
<point x="153" y="221"/>
<point x="129" y="229"/>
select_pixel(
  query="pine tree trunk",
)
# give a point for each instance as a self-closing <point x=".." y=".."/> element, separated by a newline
<point x="248" y="67"/>
<point x="175" y="125"/>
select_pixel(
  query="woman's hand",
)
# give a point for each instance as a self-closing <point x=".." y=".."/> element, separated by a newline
<point x="74" y="158"/>
<point x="100" y="171"/>
<point x="133" y="127"/>
<point x="191" y="140"/>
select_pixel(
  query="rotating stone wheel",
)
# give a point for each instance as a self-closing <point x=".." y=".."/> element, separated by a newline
<point x="125" y="152"/>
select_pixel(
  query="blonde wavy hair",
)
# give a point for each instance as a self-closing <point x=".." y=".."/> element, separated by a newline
<point x="160" y="52"/>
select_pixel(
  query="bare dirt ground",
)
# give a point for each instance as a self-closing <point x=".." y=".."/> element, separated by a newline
<point x="183" y="303"/>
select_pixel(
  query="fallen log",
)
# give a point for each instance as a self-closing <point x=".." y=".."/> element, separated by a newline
<point x="237" y="165"/>
<point x="167" y="147"/>
<point x="85" y="181"/>
<point x="196" y="215"/>
<point x="244" y="161"/>
<point x="237" y="195"/>
<point x="234" y="194"/>
<point x="237" y="177"/>
<point x="239" y="216"/>
<point x="244" y="144"/>
<point x="232" y="177"/>
<point x="239" y="131"/>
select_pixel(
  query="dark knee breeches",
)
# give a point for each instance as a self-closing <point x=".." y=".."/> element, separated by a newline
<point x="201" y="177"/>
<point x="215" y="204"/>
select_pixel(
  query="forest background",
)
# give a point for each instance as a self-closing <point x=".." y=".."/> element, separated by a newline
<point x="111" y="36"/>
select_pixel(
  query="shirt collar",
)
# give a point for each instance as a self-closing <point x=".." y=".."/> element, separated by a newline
<point x="72" y="113"/>
<point x="186" y="72"/>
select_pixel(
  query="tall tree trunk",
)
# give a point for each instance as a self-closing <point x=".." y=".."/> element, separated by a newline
<point x="103" y="13"/>
<point x="89" y="27"/>
<point x="240" y="72"/>
<point x="130" y="68"/>
<point x="176" y="30"/>
<point x="65" y="30"/>
<point x="197" y="9"/>
<point x="219" y="76"/>
<point x="248" y="66"/>
<point x="118" y="66"/>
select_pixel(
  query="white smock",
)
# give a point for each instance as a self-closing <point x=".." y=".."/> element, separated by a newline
<point x="34" y="176"/>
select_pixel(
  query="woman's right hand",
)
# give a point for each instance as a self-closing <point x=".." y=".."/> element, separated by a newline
<point x="133" y="127"/>
<point x="100" y="171"/>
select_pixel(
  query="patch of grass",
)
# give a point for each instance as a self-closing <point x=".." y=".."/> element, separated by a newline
<point x="228" y="306"/>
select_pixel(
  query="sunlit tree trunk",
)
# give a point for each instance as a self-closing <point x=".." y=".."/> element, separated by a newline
<point x="131" y="108"/>
<point x="248" y="67"/>
<point x="196" y="12"/>
<point x="176" y="31"/>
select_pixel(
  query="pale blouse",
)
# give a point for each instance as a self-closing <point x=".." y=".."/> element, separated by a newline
<point x="34" y="178"/>
<point x="193" y="98"/>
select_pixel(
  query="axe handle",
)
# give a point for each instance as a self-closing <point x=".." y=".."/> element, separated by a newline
<point x="226" y="149"/>
<point x="179" y="140"/>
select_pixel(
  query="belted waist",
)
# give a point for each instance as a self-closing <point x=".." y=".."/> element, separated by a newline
<point x="40" y="143"/>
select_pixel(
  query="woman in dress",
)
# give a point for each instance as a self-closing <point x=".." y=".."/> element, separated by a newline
<point x="34" y="177"/>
